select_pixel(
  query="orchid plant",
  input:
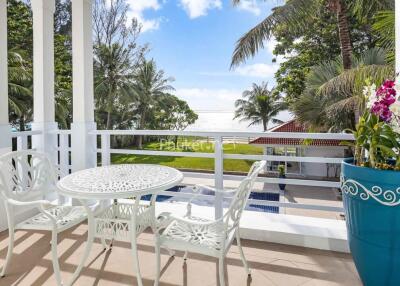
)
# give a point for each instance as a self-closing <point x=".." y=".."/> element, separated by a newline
<point x="377" y="134"/>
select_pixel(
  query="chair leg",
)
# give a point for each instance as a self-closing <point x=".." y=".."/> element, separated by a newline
<point x="171" y="252"/>
<point x="185" y="256"/>
<point x="11" y="237"/>
<point x="133" y="233"/>
<point x="158" y="261"/>
<point x="105" y="245"/>
<point x="54" y="254"/>
<point x="245" y="264"/>
<point x="221" y="271"/>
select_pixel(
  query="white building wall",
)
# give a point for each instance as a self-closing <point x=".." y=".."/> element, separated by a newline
<point x="320" y="169"/>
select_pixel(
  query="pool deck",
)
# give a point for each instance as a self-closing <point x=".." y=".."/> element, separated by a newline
<point x="294" y="194"/>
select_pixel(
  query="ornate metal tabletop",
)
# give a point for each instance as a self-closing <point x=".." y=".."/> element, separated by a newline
<point x="119" y="181"/>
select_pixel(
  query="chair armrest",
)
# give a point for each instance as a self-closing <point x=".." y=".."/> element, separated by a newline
<point x="196" y="190"/>
<point x="225" y="191"/>
<point x="42" y="205"/>
<point x="194" y="222"/>
<point x="38" y="203"/>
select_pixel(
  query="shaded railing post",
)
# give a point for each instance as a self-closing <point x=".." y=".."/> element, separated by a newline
<point x="64" y="154"/>
<point x="106" y="159"/>
<point x="105" y="150"/>
<point x="22" y="142"/>
<point x="219" y="175"/>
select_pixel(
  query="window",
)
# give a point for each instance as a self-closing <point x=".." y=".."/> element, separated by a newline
<point x="290" y="167"/>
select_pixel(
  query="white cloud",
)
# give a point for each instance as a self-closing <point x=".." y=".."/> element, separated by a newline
<point x="250" y="6"/>
<point x="137" y="8"/>
<point x="197" y="8"/>
<point x="258" y="70"/>
<point x="271" y="44"/>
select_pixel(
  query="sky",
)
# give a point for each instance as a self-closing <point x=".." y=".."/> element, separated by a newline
<point x="193" y="41"/>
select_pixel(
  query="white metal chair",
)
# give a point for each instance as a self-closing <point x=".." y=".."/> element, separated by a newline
<point x="27" y="180"/>
<point x="208" y="237"/>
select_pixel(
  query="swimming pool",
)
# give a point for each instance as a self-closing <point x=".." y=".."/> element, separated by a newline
<point x="163" y="198"/>
<point x="274" y="197"/>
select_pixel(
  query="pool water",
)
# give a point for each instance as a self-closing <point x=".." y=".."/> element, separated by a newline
<point x="163" y="198"/>
<point x="256" y="196"/>
<point x="274" y="197"/>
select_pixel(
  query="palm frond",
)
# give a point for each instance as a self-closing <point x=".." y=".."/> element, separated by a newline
<point x="344" y="105"/>
<point x="352" y="81"/>
<point x="293" y="13"/>
<point x="384" y="26"/>
<point x="365" y="9"/>
<point x="309" y="110"/>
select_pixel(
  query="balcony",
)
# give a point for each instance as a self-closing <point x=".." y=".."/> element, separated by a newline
<point x="301" y="242"/>
<point x="297" y="238"/>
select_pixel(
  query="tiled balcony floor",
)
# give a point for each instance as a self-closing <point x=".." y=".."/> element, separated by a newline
<point x="272" y="264"/>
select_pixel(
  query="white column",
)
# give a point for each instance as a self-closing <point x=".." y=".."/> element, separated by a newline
<point x="43" y="76"/>
<point x="397" y="38"/>
<point x="5" y="129"/>
<point x="83" y="144"/>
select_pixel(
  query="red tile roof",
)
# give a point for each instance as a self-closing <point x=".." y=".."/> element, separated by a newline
<point x="293" y="127"/>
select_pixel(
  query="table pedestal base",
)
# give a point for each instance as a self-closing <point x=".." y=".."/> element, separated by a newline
<point x="119" y="221"/>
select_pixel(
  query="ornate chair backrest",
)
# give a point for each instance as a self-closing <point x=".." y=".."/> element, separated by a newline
<point x="239" y="201"/>
<point x="26" y="176"/>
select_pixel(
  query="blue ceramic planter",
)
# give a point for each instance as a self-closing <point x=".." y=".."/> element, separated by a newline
<point x="372" y="205"/>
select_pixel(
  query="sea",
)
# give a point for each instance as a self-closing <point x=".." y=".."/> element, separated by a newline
<point x="222" y="120"/>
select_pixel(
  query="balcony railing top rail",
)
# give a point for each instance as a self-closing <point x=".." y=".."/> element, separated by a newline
<point x="239" y="134"/>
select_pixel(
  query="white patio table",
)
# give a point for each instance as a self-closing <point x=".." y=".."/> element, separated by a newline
<point x="119" y="220"/>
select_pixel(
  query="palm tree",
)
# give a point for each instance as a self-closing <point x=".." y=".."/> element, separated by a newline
<point x="149" y="84"/>
<point x="113" y="70"/>
<point x="20" y="92"/>
<point x="296" y="15"/>
<point x="259" y="105"/>
<point x="333" y="99"/>
<point x="19" y="89"/>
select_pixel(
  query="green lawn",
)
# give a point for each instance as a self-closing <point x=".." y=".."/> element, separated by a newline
<point x="190" y="162"/>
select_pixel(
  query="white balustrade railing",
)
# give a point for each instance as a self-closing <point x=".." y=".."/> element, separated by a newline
<point x="64" y="151"/>
<point x="23" y="138"/>
<point x="63" y="159"/>
<point x="218" y="155"/>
